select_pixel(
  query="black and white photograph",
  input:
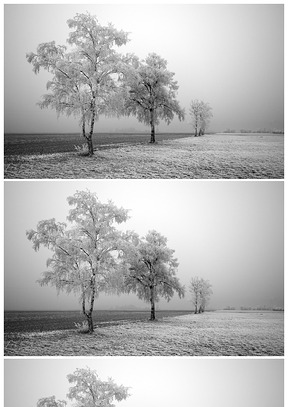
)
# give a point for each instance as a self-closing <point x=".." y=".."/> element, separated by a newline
<point x="143" y="210"/>
<point x="144" y="91"/>
<point x="129" y="382"/>
<point x="135" y="267"/>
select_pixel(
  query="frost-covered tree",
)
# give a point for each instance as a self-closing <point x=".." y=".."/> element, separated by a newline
<point x="201" y="292"/>
<point x="194" y="288"/>
<point x="51" y="402"/>
<point x="84" y="259"/>
<point x="201" y="114"/>
<point x="85" y="75"/>
<point x="205" y="294"/>
<point x="89" y="391"/>
<point x="152" y="92"/>
<point x="150" y="269"/>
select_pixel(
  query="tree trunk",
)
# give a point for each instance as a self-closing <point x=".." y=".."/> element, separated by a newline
<point x="152" y="302"/>
<point x="152" y="124"/>
<point x="89" y="314"/>
<point x="83" y="127"/>
<point x="90" y="322"/>
<point x="90" y="144"/>
<point x="196" y="304"/>
<point x="89" y="138"/>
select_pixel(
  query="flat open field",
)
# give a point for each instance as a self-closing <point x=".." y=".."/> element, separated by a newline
<point x="44" y="321"/>
<point x="209" y="334"/>
<point x="31" y="144"/>
<point x="131" y="156"/>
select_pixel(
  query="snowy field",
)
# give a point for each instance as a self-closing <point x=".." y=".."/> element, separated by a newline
<point x="232" y="156"/>
<point x="209" y="334"/>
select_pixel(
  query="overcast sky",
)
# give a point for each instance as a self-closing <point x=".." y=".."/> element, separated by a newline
<point x="231" y="56"/>
<point x="154" y="382"/>
<point x="230" y="233"/>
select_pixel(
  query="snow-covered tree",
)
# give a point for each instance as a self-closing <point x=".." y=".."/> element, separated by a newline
<point x="201" y="292"/>
<point x="84" y="259"/>
<point x="150" y="269"/>
<point x="201" y="114"/>
<point x="51" y="402"/>
<point x="89" y="391"/>
<point x="152" y="92"/>
<point x="85" y="75"/>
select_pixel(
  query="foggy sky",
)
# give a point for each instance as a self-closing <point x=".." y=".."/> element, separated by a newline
<point x="155" y="382"/>
<point x="230" y="233"/>
<point x="231" y="56"/>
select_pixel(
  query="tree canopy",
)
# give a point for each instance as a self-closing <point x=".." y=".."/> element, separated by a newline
<point x="51" y="402"/>
<point x="84" y="257"/>
<point x="85" y="75"/>
<point x="150" y="269"/>
<point x="152" y="92"/>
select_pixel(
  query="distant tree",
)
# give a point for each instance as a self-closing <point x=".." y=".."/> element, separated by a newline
<point x="201" y="114"/>
<point x="152" y="92"/>
<point x="83" y="260"/>
<point x="205" y="293"/>
<point x="201" y="292"/>
<point x="89" y="391"/>
<point x="195" y="291"/>
<point x="84" y="82"/>
<point x="150" y="269"/>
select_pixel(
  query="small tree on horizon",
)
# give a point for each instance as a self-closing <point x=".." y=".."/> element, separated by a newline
<point x="83" y="83"/>
<point x="150" y="269"/>
<point x="201" y="114"/>
<point x="201" y="292"/>
<point x="151" y="93"/>
<point x="84" y="253"/>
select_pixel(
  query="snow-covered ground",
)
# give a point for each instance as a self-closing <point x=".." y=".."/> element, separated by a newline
<point x="212" y="333"/>
<point x="211" y="156"/>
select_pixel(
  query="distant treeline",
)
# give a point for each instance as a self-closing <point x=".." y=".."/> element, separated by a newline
<point x="259" y="308"/>
<point x="254" y="131"/>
